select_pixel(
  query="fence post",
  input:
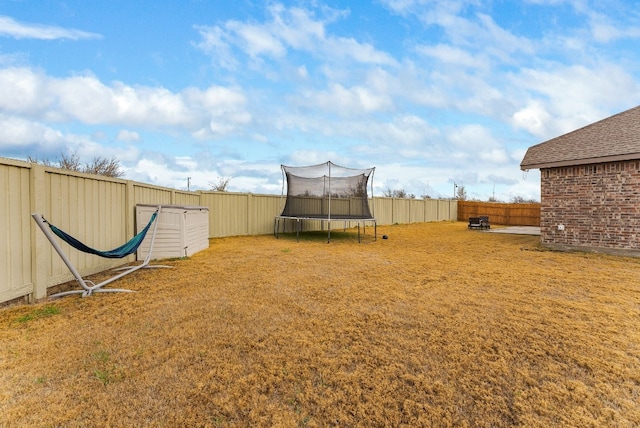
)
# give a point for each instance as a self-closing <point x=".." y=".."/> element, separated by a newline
<point x="393" y="211"/>
<point x="130" y="207"/>
<point x="250" y="222"/>
<point x="39" y="243"/>
<point x="425" y="215"/>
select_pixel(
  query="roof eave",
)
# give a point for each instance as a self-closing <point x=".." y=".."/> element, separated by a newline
<point x="575" y="162"/>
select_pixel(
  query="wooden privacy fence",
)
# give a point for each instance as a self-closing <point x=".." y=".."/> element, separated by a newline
<point x="100" y="211"/>
<point x="499" y="213"/>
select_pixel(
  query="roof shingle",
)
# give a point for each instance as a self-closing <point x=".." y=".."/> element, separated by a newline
<point x="612" y="139"/>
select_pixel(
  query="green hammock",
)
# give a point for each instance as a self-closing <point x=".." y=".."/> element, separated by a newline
<point x="117" y="253"/>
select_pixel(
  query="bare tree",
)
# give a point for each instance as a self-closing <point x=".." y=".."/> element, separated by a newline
<point x="71" y="162"/>
<point x="221" y="185"/>
<point x="104" y="166"/>
<point x="461" y="192"/>
<point x="45" y="162"/>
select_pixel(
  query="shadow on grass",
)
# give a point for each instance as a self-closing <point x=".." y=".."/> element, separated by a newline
<point x="323" y="236"/>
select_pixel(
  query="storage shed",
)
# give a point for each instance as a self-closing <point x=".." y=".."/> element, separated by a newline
<point x="590" y="186"/>
<point x="182" y="230"/>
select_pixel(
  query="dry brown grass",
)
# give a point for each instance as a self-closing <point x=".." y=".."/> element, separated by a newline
<point x="436" y="326"/>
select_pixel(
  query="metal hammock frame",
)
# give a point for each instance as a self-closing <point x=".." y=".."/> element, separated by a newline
<point x="89" y="287"/>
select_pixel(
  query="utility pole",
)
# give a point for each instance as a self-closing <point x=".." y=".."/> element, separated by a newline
<point x="188" y="183"/>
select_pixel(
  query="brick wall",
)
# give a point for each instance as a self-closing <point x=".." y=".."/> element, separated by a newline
<point x="599" y="206"/>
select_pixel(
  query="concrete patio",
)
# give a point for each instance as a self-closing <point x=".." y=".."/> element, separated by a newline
<point x="517" y="230"/>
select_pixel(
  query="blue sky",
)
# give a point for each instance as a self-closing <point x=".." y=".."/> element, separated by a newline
<point x="430" y="93"/>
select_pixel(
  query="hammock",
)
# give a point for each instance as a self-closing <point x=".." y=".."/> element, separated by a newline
<point x="117" y="253"/>
<point x="88" y="287"/>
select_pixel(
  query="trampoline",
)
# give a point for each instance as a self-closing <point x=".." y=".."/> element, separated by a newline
<point x="326" y="193"/>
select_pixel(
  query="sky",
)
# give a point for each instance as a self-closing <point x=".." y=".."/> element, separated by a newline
<point x="433" y="94"/>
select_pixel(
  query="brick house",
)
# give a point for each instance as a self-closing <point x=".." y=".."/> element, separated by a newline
<point x="590" y="186"/>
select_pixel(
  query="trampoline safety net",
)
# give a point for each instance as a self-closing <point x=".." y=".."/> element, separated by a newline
<point x="327" y="191"/>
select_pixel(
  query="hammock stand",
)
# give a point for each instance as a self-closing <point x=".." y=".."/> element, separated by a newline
<point x="89" y="287"/>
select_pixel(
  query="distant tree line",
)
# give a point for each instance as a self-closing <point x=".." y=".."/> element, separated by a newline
<point x="460" y="194"/>
<point x="522" y="200"/>
<point x="398" y="193"/>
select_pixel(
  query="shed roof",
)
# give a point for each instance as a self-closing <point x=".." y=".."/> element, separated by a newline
<point x="612" y="139"/>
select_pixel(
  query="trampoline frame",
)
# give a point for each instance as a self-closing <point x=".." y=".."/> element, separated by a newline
<point x="323" y="220"/>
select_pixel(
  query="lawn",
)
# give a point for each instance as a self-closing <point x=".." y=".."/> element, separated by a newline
<point x="435" y="326"/>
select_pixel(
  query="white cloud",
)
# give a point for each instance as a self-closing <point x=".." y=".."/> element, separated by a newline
<point x="128" y="136"/>
<point x="565" y="98"/>
<point x="288" y="28"/>
<point x="37" y="140"/>
<point x="205" y="113"/>
<point x="187" y="162"/>
<point x="256" y="40"/>
<point x="9" y="27"/>
<point x="604" y="29"/>
<point x="473" y="137"/>
<point x="149" y="170"/>
<point x="429" y="11"/>
<point x="402" y="131"/>
<point x="350" y="101"/>
<point x="87" y="99"/>
<point x="16" y="132"/>
<point x="302" y="72"/>
<point x="340" y="48"/>
<point x="213" y="43"/>
<point x="453" y="55"/>
<point x="495" y="40"/>
<point x="296" y="26"/>
<point x="493" y="155"/>
<point x="23" y="91"/>
<point x="87" y="150"/>
<point x="313" y="157"/>
<point x="533" y="118"/>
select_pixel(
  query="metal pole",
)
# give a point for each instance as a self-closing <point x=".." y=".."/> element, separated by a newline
<point x="40" y="222"/>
